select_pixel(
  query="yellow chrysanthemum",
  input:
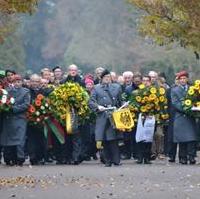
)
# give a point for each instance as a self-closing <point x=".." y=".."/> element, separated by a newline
<point x="138" y="98"/>
<point x="162" y="91"/>
<point x="141" y="86"/>
<point x="188" y="102"/>
<point x="198" y="104"/>
<point x="153" y="90"/>
<point x="191" y="91"/>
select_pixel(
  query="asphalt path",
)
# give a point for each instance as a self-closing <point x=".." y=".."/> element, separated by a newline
<point x="91" y="180"/>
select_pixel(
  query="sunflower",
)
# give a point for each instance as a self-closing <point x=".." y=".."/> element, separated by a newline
<point x="197" y="82"/>
<point x="191" y="91"/>
<point x="198" y="104"/>
<point x="152" y="97"/>
<point x="146" y="99"/>
<point x="143" y="109"/>
<point x="162" y="91"/>
<point x="148" y="106"/>
<point x="141" y="86"/>
<point x="153" y="90"/>
<point x="138" y="98"/>
<point x="188" y="102"/>
<point x="162" y="98"/>
<point x="196" y="86"/>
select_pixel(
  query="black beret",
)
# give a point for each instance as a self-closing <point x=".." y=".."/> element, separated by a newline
<point x="10" y="71"/>
<point x="105" y="72"/>
<point x="57" y="67"/>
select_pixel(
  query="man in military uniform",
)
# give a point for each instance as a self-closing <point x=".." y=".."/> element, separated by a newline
<point x="105" y="95"/>
<point x="14" y="124"/>
<point x="184" y="129"/>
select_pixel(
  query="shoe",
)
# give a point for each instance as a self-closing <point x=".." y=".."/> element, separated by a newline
<point x="10" y="163"/>
<point x="49" y="160"/>
<point x="192" y="160"/>
<point x="125" y="157"/>
<point x="20" y="162"/>
<point x="117" y="164"/>
<point x="139" y="160"/>
<point x="183" y="161"/>
<point x="108" y="164"/>
<point x="95" y="157"/>
<point x="75" y="162"/>
<point x="147" y="161"/>
<point x="153" y="157"/>
<point x="33" y="162"/>
<point x="171" y="159"/>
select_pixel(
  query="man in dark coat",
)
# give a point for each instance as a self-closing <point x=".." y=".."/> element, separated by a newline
<point x="14" y="124"/>
<point x="74" y="141"/>
<point x="36" y="143"/>
<point x="184" y="129"/>
<point x="106" y="95"/>
<point x="129" y="148"/>
<point x="73" y="76"/>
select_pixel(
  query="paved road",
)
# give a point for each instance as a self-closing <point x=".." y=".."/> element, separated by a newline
<point x="91" y="180"/>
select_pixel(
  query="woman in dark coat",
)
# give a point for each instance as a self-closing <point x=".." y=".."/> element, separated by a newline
<point x="14" y="124"/>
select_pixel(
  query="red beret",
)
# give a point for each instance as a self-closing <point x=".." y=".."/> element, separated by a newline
<point x="182" y="74"/>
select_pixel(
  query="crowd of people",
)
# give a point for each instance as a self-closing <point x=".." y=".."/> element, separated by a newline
<point x="95" y="139"/>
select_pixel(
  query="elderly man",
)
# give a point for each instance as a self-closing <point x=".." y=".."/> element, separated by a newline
<point x="98" y="73"/>
<point x="128" y="78"/>
<point x="184" y="129"/>
<point x="154" y="77"/>
<point x="14" y="124"/>
<point x="105" y="95"/>
<point x="46" y="74"/>
<point x="73" y="76"/>
<point x="36" y="140"/>
<point x="74" y="141"/>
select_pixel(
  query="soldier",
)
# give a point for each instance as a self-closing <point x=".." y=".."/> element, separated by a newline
<point x="15" y="123"/>
<point x="104" y="95"/>
<point x="184" y="129"/>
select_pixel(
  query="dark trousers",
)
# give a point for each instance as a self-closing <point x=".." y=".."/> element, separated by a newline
<point x="111" y="152"/>
<point x="144" y="150"/>
<point x="172" y="150"/>
<point x="14" y="154"/>
<point x="37" y="144"/>
<point x="76" y="146"/>
<point x="85" y="140"/>
<point x="187" y="150"/>
<point x="129" y="148"/>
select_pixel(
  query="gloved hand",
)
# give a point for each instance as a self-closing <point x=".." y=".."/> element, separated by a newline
<point x="99" y="145"/>
<point x="101" y="108"/>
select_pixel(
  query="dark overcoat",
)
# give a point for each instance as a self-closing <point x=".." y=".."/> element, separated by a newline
<point x="184" y="128"/>
<point x="104" y="131"/>
<point x="14" y="122"/>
